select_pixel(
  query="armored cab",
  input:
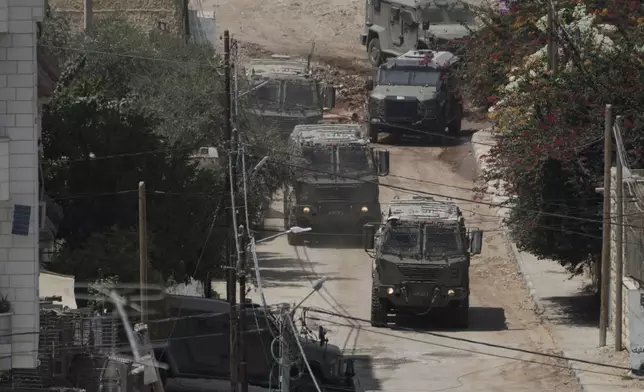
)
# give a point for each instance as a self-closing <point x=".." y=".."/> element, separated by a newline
<point x="284" y="93"/>
<point x="416" y="94"/>
<point x="393" y="27"/>
<point x="334" y="182"/>
<point x="421" y="259"/>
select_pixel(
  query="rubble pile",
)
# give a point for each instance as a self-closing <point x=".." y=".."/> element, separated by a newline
<point x="350" y="88"/>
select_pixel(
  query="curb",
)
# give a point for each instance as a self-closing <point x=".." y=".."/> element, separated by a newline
<point x="479" y="149"/>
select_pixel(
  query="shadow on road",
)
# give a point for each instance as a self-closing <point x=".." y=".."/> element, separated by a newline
<point x="336" y="241"/>
<point x="482" y="319"/>
<point x="580" y="309"/>
<point x="272" y="260"/>
<point x="364" y="370"/>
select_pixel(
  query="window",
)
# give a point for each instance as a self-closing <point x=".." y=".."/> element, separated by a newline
<point x="395" y="14"/>
<point x="300" y="95"/>
<point x="354" y="159"/>
<point x="441" y="241"/>
<point x="267" y="95"/>
<point x="376" y="5"/>
<point x="320" y="159"/>
<point x="402" y="240"/>
<point x="406" y="77"/>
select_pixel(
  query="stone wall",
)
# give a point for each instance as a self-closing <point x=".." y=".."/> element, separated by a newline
<point x="163" y="14"/>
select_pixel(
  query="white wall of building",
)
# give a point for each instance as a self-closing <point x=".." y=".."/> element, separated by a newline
<point x="19" y="130"/>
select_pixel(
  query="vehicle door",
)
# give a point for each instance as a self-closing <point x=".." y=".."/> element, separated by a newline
<point x="258" y="345"/>
<point x="395" y="28"/>
<point x="409" y="27"/>
<point x="199" y="344"/>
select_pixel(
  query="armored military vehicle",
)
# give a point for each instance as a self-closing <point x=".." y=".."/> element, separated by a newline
<point x="334" y="184"/>
<point x="393" y="27"/>
<point x="195" y="344"/>
<point x="284" y="93"/>
<point x="421" y="259"/>
<point x="416" y="94"/>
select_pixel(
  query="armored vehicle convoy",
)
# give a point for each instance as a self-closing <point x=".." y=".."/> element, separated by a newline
<point x="393" y="27"/>
<point x="284" y="93"/>
<point x="421" y="259"/>
<point x="334" y="184"/>
<point x="416" y="94"/>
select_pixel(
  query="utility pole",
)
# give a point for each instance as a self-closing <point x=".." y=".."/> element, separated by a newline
<point x="619" y="236"/>
<point x="186" y="20"/>
<point x="143" y="250"/>
<point x="243" y="373"/>
<point x="605" y="266"/>
<point x="285" y="365"/>
<point x="87" y="14"/>
<point x="232" y="184"/>
<point x="553" y="51"/>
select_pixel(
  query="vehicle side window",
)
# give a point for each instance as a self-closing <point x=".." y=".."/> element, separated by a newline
<point x="376" y="5"/>
<point x="395" y="14"/>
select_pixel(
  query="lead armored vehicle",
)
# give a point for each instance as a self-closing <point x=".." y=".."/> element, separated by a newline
<point x="284" y="93"/>
<point x="421" y="259"/>
<point x="394" y="27"/>
<point x="417" y="95"/>
<point x="334" y="184"/>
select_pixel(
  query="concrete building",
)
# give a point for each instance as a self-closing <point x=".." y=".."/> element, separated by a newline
<point x="23" y="79"/>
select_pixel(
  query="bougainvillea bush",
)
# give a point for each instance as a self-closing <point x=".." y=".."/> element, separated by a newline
<point x="549" y="152"/>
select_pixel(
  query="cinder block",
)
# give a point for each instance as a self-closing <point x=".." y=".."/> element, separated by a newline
<point x="22" y="187"/>
<point x="21" y="281"/>
<point x="26" y="94"/>
<point x="25" y="120"/>
<point x="23" y="160"/>
<point x="20" y="80"/>
<point x="21" y="107"/>
<point x="20" y="133"/>
<point x="22" y="147"/>
<point x="20" y="13"/>
<point x="20" y="254"/>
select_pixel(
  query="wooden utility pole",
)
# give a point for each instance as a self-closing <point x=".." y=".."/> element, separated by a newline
<point x="552" y="44"/>
<point x="605" y="267"/>
<point x="243" y="370"/>
<point x="143" y="250"/>
<point x="619" y="237"/>
<point x="186" y="20"/>
<point x="232" y="184"/>
<point x="87" y="14"/>
<point x="285" y="366"/>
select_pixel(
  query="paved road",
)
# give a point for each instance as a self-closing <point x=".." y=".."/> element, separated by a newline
<point x="389" y="360"/>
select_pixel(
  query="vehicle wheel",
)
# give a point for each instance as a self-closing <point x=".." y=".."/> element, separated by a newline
<point x="373" y="134"/>
<point x="375" y="53"/>
<point x="454" y="127"/>
<point x="295" y="239"/>
<point x="461" y="316"/>
<point x="378" y="310"/>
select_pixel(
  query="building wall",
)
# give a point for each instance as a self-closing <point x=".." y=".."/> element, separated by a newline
<point x="19" y="129"/>
<point x="140" y="12"/>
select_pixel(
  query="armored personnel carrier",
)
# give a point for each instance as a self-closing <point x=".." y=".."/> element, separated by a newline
<point x="416" y="94"/>
<point x="284" y="93"/>
<point x="393" y="27"/>
<point x="421" y="259"/>
<point x="334" y="184"/>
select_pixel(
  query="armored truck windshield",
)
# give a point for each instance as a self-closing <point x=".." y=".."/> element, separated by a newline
<point x="409" y="77"/>
<point x="448" y="15"/>
<point x="319" y="158"/>
<point x="405" y="241"/>
<point x="355" y="158"/>
<point x="402" y="241"/>
<point x="300" y="94"/>
<point x="267" y="95"/>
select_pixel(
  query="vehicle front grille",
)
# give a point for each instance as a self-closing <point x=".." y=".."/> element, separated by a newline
<point x="401" y="110"/>
<point x="421" y="272"/>
<point x="335" y="193"/>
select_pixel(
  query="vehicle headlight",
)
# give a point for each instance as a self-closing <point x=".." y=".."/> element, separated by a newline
<point x="306" y="210"/>
<point x="364" y="209"/>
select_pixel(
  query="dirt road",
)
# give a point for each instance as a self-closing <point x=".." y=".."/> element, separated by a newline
<point x="390" y="360"/>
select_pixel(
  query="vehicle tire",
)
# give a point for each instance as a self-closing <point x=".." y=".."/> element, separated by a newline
<point x="374" y="52"/>
<point x="295" y="239"/>
<point x="373" y="134"/>
<point x="461" y="316"/>
<point x="454" y="127"/>
<point x="378" y="310"/>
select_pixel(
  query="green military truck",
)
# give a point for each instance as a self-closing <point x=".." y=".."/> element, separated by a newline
<point x="394" y="27"/>
<point x="334" y="182"/>
<point x="283" y="93"/>
<point x="421" y="258"/>
<point x="195" y="344"/>
<point x="416" y="95"/>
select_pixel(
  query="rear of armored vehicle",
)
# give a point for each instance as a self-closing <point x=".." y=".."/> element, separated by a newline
<point x="334" y="187"/>
<point x="421" y="263"/>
